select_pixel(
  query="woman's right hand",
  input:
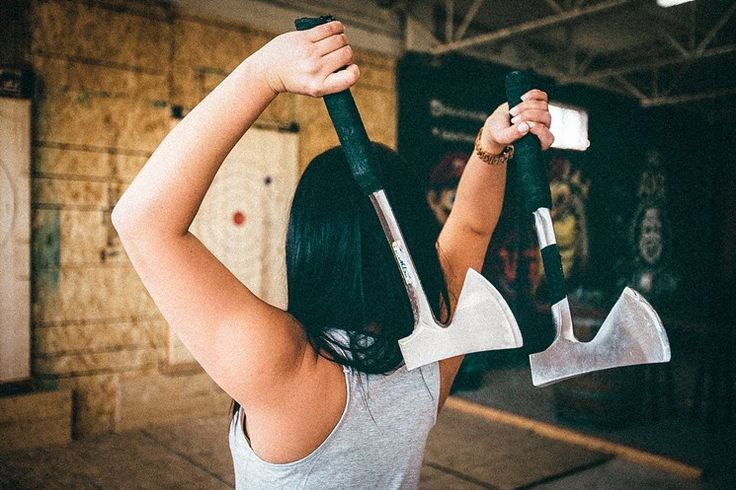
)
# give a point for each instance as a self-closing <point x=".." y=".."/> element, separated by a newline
<point x="309" y="62"/>
<point x="504" y="127"/>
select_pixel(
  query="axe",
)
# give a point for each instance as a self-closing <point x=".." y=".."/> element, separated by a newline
<point x="632" y="333"/>
<point x="482" y="320"/>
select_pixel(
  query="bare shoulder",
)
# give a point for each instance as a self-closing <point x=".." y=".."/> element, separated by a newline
<point x="300" y="414"/>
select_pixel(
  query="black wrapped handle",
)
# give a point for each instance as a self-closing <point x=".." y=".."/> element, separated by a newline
<point x="349" y="126"/>
<point x="531" y="170"/>
<point x="534" y="182"/>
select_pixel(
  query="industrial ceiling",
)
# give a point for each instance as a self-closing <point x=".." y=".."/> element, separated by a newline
<point x="683" y="55"/>
<point x="660" y="56"/>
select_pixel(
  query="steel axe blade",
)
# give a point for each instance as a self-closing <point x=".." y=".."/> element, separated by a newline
<point x="482" y="321"/>
<point x="631" y="334"/>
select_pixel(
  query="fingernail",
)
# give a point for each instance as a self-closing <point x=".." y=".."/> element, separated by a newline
<point x="514" y="120"/>
<point x="523" y="97"/>
<point x="514" y="111"/>
<point x="523" y="127"/>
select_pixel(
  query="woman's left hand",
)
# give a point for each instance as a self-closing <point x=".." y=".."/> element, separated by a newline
<point x="505" y="126"/>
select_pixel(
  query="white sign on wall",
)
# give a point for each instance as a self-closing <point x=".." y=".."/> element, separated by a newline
<point x="243" y="217"/>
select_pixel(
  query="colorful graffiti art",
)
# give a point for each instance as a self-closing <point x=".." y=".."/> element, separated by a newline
<point x="443" y="181"/>
<point x="569" y="195"/>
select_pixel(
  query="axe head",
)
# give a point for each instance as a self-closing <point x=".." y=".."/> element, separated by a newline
<point x="631" y="334"/>
<point x="482" y="321"/>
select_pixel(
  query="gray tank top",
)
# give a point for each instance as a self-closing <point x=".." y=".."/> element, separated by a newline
<point x="377" y="443"/>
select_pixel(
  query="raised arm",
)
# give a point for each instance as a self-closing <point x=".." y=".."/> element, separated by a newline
<point x="467" y="232"/>
<point x="247" y="346"/>
<point x="479" y="199"/>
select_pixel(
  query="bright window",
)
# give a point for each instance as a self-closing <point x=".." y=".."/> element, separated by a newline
<point x="569" y="126"/>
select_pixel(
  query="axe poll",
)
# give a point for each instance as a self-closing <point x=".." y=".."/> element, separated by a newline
<point x="482" y="320"/>
<point x="632" y="333"/>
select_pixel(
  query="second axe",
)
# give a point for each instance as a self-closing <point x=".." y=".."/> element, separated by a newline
<point x="631" y="334"/>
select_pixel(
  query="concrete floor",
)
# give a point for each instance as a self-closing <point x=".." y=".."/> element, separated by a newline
<point x="466" y="450"/>
<point x="666" y="425"/>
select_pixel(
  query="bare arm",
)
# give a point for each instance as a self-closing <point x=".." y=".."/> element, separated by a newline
<point x="467" y="233"/>
<point x="246" y="345"/>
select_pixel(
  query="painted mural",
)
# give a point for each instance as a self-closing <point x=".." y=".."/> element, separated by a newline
<point x="569" y="197"/>
<point x="648" y="265"/>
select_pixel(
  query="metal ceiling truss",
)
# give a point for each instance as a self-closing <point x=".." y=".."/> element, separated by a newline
<point x="613" y="78"/>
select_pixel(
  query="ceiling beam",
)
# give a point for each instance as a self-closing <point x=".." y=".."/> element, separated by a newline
<point x="681" y="99"/>
<point x="530" y="26"/>
<point x="469" y="16"/>
<point x="676" y="80"/>
<point x="675" y="43"/>
<point x="622" y="70"/>
<point x="449" y="19"/>
<point x="716" y="28"/>
<point x="630" y="87"/>
<point x="554" y="6"/>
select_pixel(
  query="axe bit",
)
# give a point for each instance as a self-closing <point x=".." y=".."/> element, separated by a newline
<point x="631" y="334"/>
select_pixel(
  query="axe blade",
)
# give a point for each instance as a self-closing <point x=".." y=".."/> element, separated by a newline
<point x="631" y="334"/>
<point x="482" y="321"/>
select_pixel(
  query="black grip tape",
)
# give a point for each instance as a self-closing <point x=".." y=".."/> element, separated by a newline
<point x="349" y="126"/>
<point x="553" y="273"/>
<point x="533" y="179"/>
<point x="306" y="23"/>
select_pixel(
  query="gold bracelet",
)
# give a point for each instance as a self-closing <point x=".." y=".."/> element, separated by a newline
<point x="489" y="158"/>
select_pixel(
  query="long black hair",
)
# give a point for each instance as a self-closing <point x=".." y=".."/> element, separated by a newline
<point x="340" y="270"/>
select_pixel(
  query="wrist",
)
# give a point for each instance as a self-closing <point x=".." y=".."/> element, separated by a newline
<point x="492" y="153"/>
<point x="492" y="147"/>
<point x="255" y="70"/>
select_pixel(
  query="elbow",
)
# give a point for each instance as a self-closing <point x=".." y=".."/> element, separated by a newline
<point x="116" y="218"/>
<point x="121" y="220"/>
<point x="482" y="229"/>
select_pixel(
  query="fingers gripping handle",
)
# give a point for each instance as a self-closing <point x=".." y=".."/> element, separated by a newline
<point x="533" y="179"/>
<point x="349" y="126"/>
<point x="534" y="185"/>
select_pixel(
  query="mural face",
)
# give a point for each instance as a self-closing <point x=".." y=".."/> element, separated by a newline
<point x="650" y="238"/>
<point x="649" y="270"/>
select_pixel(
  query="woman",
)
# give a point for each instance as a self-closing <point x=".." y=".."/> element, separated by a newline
<point x="310" y="413"/>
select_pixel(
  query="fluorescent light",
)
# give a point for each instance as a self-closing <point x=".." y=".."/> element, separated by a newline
<point x="569" y="127"/>
<point x="671" y="3"/>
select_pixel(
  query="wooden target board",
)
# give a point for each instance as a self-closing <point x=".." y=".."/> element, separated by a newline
<point x="243" y="217"/>
<point x="15" y="232"/>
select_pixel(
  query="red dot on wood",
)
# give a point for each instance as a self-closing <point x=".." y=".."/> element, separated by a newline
<point x="238" y="218"/>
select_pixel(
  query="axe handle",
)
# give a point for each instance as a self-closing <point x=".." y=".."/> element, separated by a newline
<point x="533" y="181"/>
<point x="531" y="170"/>
<point x="366" y="171"/>
<point x="349" y="126"/>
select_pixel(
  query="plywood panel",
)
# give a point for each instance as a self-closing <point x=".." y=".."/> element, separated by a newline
<point x="15" y="131"/>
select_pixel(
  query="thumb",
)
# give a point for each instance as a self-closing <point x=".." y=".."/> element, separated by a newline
<point x="512" y="133"/>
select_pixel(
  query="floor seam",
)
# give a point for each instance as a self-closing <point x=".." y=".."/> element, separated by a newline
<point x="593" y="443"/>
<point x="462" y="476"/>
<point x="565" y="474"/>
<point x="186" y="458"/>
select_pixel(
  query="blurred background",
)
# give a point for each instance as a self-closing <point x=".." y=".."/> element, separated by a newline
<point x="642" y="177"/>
